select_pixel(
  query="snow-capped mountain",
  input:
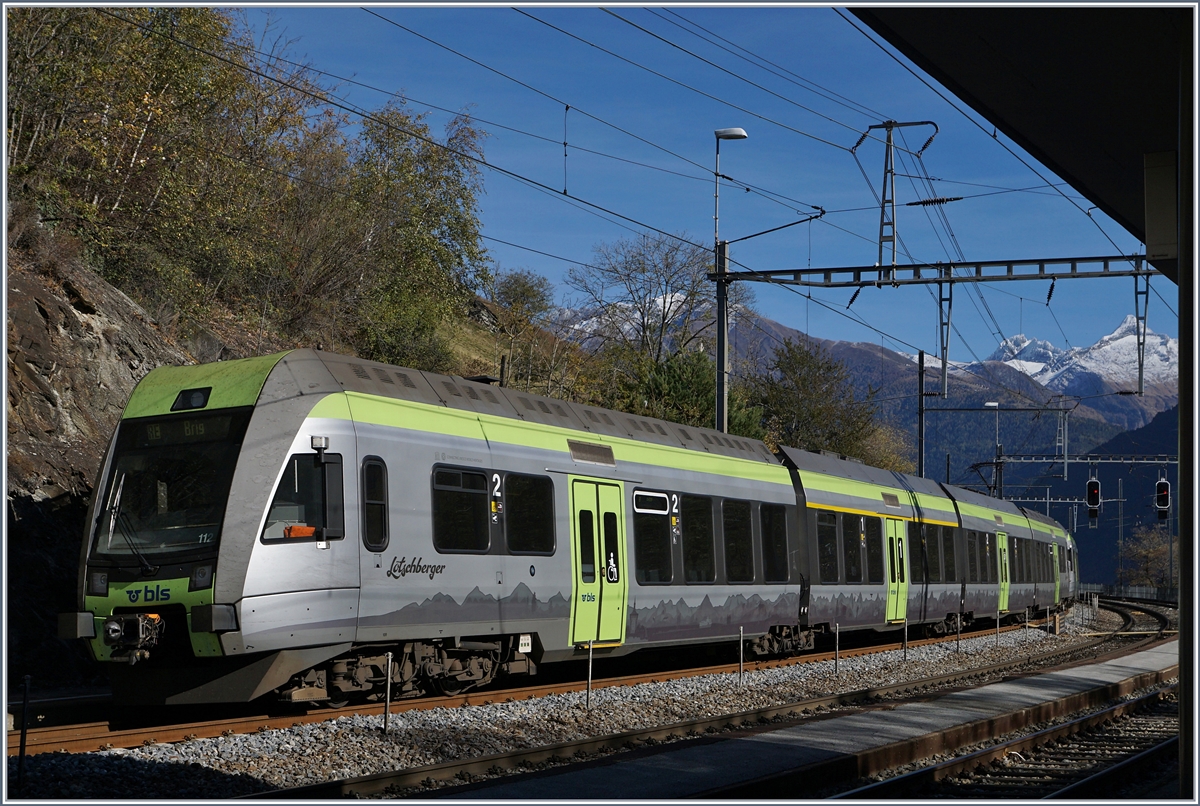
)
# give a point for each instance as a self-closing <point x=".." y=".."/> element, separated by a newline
<point x="1026" y="355"/>
<point x="1110" y="365"/>
<point x="1112" y="358"/>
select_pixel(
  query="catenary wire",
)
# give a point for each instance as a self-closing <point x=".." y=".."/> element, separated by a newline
<point x="769" y="195"/>
<point x="1003" y="145"/>
<point x="679" y="83"/>
<point x="841" y="100"/>
<point x="697" y="56"/>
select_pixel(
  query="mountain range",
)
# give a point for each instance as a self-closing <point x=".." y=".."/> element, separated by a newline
<point x="1021" y="368"/>
<point x="1029" y="377"/>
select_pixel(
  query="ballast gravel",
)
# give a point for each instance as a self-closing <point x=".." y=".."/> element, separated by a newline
<point x="352" y="746"/>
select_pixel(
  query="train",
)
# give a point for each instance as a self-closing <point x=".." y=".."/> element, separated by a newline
<point x="313" y="528"/>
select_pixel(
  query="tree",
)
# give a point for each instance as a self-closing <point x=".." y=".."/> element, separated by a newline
<point x="522" y="299"/>
<point x="204" y="172"/>
<point x="650" y="295"/>
<point x="423" y="248"/>
<point x="647" y="306"/>
<point x="808" y="401"/>
<point x="1148" y="557"/>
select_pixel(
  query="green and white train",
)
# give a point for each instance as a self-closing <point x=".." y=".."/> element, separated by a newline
<point x="276" y="526"/>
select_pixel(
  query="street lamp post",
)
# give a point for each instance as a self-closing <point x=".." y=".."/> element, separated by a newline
<point x="720" y="268"/>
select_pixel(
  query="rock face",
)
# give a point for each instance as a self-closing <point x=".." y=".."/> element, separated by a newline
<point x="76" y="348"/>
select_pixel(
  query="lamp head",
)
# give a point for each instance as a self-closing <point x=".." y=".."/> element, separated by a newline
<point x="730" y="134"/>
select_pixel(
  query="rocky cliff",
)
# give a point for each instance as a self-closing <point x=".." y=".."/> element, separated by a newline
<point x="76" y="348"/>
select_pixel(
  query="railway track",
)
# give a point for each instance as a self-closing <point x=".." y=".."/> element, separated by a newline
<point x="107" y="734"/>
<point x="419" y="781"/>
<point x="1081" y="758"/>
<point x="354" y="746"/>
<point x="101" y="734"/>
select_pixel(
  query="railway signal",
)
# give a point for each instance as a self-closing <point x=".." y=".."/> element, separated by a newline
<point x="1162" y="498"/>
<point x="1093" y="499"/>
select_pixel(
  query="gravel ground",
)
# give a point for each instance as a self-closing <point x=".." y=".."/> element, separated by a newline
<point x="354" y="745"/>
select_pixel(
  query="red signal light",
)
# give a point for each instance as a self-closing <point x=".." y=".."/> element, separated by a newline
<point x="1162" y="495"/>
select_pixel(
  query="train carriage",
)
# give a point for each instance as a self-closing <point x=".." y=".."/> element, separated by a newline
<point x="282" y="525"/>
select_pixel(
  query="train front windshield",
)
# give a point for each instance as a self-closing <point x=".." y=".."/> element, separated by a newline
<point x="168" y="484"/>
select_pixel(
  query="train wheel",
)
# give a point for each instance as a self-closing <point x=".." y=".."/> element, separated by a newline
<point x="479" y="671"/>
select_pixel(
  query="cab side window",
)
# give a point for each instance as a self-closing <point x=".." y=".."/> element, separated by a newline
<point x="308" y="503"/>
<point x="374" y="504"/>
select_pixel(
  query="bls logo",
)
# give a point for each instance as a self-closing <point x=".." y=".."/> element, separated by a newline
<point x="148" y="594"/>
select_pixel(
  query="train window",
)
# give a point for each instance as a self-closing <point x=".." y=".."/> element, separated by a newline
<point x="460" y="511"/>
<point x="657" y="503"/>
<point x="307" y="505"/>
<point x="587" y="546"/>
<point x="972" y="557"/>
<point x="374" y="504"/>
<point x="874" y="538"/>
<point x="529" y="514"/>
<point x="1062" y="561"/>
<point x="699" y="558"/>
<point x="773" y="519"/>
<point x="827" y="547"/>
<point x="916" y="552"/>
<point x="948" y="558"/>
<point x="652" y="538"/>
<point x="612" y="548"/>
<point x="933" y="552"/>
<point x="892" y="558"/>
<point x="852" y="541"/>
<point x="739" y="545"/>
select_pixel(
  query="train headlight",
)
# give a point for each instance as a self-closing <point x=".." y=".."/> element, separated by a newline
<point x="97" y="583"/>
<point x="114" y="631"/>
<point x="201" y="578"/>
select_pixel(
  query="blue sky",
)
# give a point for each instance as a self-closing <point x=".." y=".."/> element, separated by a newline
<point x="784" y="155"/>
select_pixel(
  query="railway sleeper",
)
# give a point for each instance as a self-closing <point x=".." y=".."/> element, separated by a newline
<point x="448" y="666"/>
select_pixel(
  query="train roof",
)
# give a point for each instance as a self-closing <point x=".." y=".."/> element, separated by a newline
<point x="452" y="391"/>
<point x="301" y="372"/>
<point x="837" y="481"/>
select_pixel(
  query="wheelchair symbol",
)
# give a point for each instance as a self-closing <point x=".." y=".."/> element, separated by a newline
<point x="612" y="573"/>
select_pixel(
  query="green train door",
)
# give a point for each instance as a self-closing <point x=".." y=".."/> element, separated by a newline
<point x="1002" y="560"/>
<point x="897" y="596"/>
<point x="598" y="563"/>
